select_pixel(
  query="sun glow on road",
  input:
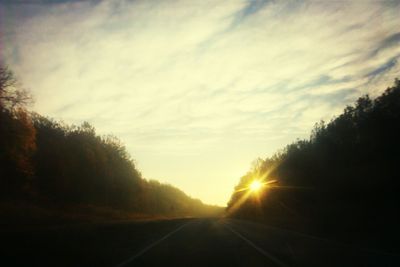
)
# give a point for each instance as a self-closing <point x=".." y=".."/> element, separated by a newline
<point x="255" y="186"/>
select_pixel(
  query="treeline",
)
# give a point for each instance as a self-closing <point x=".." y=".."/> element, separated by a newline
<point x="340" y="183"/>
<point x="54" y="164"/>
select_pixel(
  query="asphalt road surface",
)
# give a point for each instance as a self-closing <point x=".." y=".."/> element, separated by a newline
<point x="184" y="242"/>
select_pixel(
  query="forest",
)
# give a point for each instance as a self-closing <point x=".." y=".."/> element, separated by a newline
<point x="51" y="169"/>
<point x="341" y="183"/>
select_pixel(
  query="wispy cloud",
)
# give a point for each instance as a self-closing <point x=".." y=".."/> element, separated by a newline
<point x="198" y="89"/>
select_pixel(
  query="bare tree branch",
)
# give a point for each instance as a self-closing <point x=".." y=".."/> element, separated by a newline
<point x="11" y="96"/>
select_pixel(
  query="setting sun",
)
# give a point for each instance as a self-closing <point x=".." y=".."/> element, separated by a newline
<point x="255" y="186"/>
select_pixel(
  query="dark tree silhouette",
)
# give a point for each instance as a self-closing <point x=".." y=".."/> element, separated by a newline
<point x="11" y="95"/>
<point x="17" y="138"/>
<point x="340" y="183"/>
<point x="56" y="165"/>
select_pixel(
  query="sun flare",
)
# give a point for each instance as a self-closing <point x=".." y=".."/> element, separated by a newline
<point x="255" y="186"/>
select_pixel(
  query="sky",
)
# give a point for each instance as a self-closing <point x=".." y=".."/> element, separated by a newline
<point x="198" y="89"/>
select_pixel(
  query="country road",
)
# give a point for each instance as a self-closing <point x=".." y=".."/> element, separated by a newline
<point x="181" y="242"/>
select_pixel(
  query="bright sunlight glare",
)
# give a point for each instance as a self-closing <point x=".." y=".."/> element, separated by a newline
<point x="255" y="186"/>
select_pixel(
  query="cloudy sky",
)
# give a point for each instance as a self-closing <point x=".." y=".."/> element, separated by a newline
<point x="198" y="89"/>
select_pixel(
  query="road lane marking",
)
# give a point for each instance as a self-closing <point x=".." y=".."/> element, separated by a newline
<point x="330" y="242"/>
<point x="262" y="251"/>
<point x="141" y="252"/>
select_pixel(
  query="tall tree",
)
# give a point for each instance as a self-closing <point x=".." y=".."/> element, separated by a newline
<point x="17" y="137"/>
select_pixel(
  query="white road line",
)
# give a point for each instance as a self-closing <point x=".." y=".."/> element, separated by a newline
<point x="141" y="252"/>
<point x="266" y="254"/>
